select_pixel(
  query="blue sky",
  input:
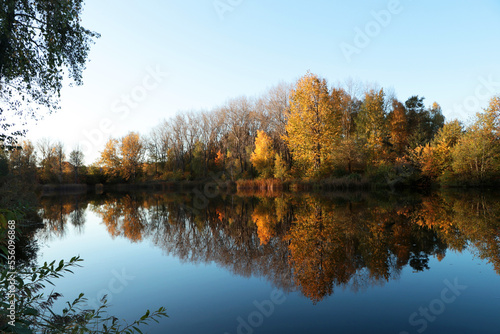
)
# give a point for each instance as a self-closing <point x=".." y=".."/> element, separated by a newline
<point x="444" y="50"/>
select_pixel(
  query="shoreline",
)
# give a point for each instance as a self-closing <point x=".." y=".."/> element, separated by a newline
<point x="251" y="186"/>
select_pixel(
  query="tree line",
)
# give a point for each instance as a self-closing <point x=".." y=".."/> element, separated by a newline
<point x="308" y="130"/>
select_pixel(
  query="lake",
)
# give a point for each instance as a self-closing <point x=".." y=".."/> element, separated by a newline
<point x="382" y="262"/>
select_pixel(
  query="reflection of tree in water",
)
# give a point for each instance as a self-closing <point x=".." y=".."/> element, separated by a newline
<point x="353" y="244"/>
<point x="305" y="242"/>
<point x="222" y="233"/>
<point x="464" y="219"/>
<point x="77" y="216"/>
<point x="420" y="262"/>
<point x="124" y="216"/>
<point x="56" y="211"/>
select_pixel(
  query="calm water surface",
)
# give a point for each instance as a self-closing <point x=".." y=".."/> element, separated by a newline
<point x="337" y="263"/>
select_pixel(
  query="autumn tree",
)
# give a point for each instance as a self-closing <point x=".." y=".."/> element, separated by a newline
<point x="22" y="160"/>
<point x="476" y="157"/>
<point x="132" y="154"/>
<point x="347" y="154"/>
<point x="262" y="157"/>
<point x="436" y="157"/>
<point x="313" y="126"/>
<point x="345" y="149"/>
<point x="271" y="110"/>
<point x="398" y="128"/>
<point x="110" y="160"/>
<point x="280" y="167"/>
<point x="123" y="158"/>
<point x="371" y="125"/>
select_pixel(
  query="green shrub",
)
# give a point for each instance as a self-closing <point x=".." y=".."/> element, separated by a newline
<point x="33" y="311"/>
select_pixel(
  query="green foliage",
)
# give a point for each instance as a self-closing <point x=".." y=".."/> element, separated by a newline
<point x="435" y="158"/>
<point x="40" y="41"/>
<point x="198" y="161"/>
<point x="280" y="168"/>
<point x="458" y="158"/>
<point x="380" y="174"/>
<point x="423" y="123"/>
<point x="33" y="310"/>
<point x="93" y="175"/>
<point x="476" y="157"/>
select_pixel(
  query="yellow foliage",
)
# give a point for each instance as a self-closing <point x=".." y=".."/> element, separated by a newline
<point x="313" y="124"/>
<point x="265" y="229"/>
<point x="262" y="157"/>
<point x="110" y="161"/>
<point x="132" y="151"/>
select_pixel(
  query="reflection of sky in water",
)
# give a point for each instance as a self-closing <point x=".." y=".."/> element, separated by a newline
<point x="205" y="298"/>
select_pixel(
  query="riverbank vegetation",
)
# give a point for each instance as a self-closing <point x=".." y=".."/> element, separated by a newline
<point x="297" y="133"/>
